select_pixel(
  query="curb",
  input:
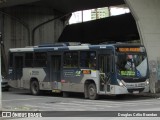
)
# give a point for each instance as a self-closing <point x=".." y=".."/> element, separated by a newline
<point x="153" y="95"/>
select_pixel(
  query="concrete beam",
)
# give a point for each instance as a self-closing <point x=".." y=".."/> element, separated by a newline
<point x="146" y="14"/>
<point x="23" y="26"/>
<point x="8" y="3"/>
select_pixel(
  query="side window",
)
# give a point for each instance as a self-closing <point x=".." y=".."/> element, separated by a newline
<point x="40" y="59"/>
<point x="70" y="59"/>
<point x="28" y="59"/>
<point x="88" y="59"/>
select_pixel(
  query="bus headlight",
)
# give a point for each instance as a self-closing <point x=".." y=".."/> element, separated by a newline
<point x="147" y="82"/>
<point x="120" y="83"/>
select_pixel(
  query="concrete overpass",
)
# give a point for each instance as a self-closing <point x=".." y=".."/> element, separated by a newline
<point x="36" y="16"/>
<point x="65" y="6"/>
<point x="29" y="22"/>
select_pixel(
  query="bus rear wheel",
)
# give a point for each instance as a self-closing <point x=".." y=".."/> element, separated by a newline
<point x="92" y="92"/>
<point x="34" y="87"/>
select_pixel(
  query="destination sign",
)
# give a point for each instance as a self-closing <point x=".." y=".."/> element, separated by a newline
<point x="124" y="49"/>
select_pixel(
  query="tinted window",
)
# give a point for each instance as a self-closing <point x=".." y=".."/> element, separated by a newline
<point x="28" y="59"/>
<point x="88" y="59"/>
<point x="11" y="59"/>
<point x="40" y="59"/>
<point x="70" y="59"/>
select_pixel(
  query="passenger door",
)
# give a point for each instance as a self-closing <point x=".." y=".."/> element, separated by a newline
<point x="18" y="62"/>
<point x="55" y="70"/>
<point x="105" y="67"/>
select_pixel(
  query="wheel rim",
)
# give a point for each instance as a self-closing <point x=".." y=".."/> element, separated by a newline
<point x="35" y="87"/>
<point x="91" y="91"/>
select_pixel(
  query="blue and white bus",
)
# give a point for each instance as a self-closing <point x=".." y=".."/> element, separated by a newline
<point x="103" y="69"/>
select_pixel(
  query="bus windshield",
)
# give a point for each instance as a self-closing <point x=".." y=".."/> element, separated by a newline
<point x="131" y="65"/>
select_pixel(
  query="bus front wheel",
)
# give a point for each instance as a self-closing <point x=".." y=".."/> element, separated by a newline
<point x="92" y="91"/>
<point x="34" y="87"/>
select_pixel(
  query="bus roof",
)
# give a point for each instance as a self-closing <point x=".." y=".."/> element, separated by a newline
<point x="52" y="47"/>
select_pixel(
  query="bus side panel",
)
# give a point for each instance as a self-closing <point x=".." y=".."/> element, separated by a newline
<point x="12" y="82"/>
<point x="72" y="87"/>
<point x="26" y="77"/>
<point x="74" y="80"/>
<point x="38" y="74"/>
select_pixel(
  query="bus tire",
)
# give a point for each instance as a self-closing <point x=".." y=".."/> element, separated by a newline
<point x="34" y="87"/>
<point x="86" y="91"/>
<point x="92" y="91"/>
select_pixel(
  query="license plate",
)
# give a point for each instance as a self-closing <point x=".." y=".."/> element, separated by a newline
<point x="135" y="92"/>
<point x="56" y="91"/>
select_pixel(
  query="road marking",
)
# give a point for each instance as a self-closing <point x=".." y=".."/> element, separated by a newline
<point x="79" y="106"/>
<point x="88" y="105"/>
<point x="84" y="105"/>
<point x="70" y="104"/>
<point x="54" y="107"/>
<point x="73" y="105"/>
<point x="25" y="99"/>
<point x="37" y="106"/>
<point x="115" y="102"/>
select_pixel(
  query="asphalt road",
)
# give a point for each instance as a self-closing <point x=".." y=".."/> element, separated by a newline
<point x="56" y="106"/>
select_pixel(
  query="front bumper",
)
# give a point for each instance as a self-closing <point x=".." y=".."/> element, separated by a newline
<point x="124" y="90"/>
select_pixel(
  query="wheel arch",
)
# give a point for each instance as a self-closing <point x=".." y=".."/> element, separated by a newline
<point x="33" y="79"/>
<point x="88" y="81"/>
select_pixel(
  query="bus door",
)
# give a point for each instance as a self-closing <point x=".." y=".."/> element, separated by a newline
<point x="105" y="65"/>
<point x="55" y="71"/>
<point x="18" y="60"/>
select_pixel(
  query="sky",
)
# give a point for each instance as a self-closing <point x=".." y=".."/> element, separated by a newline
<point x="77" y="16"/>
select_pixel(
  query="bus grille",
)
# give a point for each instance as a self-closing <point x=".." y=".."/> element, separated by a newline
<point x="138" y="89"/>
<point x="132" y="80"/>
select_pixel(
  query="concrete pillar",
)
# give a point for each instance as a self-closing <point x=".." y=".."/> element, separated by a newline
<point x="0" y="64"/>
<point x="147" y="16"/>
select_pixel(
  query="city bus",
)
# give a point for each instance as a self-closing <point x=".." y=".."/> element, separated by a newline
<point x="102" y="69"/>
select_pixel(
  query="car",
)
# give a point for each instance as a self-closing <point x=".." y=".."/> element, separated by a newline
<point x="4" y="84"/>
